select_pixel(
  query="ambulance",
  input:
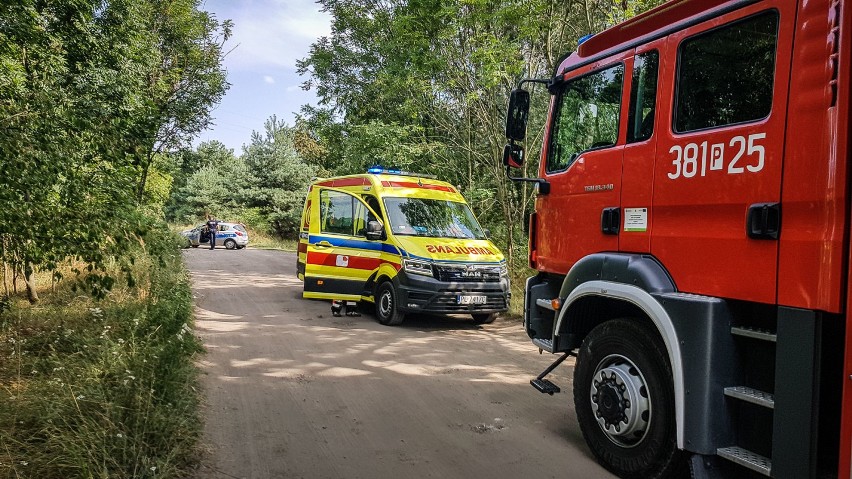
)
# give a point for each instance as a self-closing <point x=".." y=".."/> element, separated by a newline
<point x="406" y="243"/>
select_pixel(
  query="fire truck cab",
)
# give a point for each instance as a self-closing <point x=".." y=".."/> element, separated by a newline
<point x="691" y="238"/>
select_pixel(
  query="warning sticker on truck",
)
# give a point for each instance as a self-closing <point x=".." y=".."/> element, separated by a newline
<point x="636" y="219"/>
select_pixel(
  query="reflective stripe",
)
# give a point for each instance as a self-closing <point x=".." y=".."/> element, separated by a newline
<point x="356" y="244"/>
<point x="353" y="262"/>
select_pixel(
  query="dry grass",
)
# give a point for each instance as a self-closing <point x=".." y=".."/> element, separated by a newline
<point x="100" y="388"/>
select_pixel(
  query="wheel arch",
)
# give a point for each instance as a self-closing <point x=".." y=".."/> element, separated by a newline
<point x="384" y="273"/>
<point x="627" y="298"/>
<point x="606" y="286"/>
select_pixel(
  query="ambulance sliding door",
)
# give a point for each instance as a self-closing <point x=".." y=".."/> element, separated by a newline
<point x="339" y="257"/>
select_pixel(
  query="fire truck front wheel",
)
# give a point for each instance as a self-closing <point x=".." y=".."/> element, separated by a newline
<point x="624" y="399"/>
<point x="387" y="305"/>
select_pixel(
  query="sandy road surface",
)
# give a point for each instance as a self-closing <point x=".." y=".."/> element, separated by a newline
<point x="293" y="392"/>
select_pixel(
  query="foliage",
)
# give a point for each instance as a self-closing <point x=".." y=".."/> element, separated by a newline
<point x="427" y="82"/>
<point x="277" y="177"/>
<point x="265" y="187"/>
<point x="103" y="389"/>
<point x="90" y="91"/>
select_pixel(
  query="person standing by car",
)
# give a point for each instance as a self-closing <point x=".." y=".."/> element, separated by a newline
<point x="212" y="226"/>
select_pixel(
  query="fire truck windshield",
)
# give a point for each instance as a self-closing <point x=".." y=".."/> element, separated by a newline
<point x="433" y="218"/>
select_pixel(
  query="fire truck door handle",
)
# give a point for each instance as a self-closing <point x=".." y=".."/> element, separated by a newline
<point x="323" y="244"/>
<point x="610" y="220"/>
<point x="764" y="221"/>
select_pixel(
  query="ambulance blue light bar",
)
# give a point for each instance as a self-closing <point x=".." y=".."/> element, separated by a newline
<point x="378" y="170"/>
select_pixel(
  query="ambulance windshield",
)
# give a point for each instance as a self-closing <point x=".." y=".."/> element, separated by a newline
<point x="433" y="218"/>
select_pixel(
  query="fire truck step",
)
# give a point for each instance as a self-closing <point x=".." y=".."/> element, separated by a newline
<point x="754" y="333"/>
<point x="544" y="344"/>
<point x="751" y="395"/>
<point x="545" y="386"/>
<point x="747" y="459"/>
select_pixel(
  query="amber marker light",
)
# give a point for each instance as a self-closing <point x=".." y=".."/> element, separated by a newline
<point x="556" y="303"/>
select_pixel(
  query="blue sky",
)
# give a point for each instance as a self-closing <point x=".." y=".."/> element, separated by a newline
<point x="268" y="37"/>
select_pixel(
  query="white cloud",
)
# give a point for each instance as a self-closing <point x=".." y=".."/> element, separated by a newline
<point x="268" y="79"/>
<point x="271" y="32"/>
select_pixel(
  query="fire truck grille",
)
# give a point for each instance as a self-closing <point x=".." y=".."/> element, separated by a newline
<point x="467" y="273"/>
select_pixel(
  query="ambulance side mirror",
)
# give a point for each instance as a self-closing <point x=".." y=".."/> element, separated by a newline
<point x="375" y="231"/>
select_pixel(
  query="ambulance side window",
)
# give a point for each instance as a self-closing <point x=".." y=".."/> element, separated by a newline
<point x="361" y="218"/>
<point x="336" y="212"/>
<point x="374" y="203"/>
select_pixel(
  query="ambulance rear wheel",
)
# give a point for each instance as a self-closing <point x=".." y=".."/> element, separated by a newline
<point x="230" y="244"/>
<point x="387" y="299"/>
<point x="624" y="399"/>
<point x="484" y="318"/>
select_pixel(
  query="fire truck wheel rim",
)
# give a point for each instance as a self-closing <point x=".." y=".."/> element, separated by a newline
<point x="620" y="401"/>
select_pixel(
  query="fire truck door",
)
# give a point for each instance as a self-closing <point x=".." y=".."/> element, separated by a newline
<point x="582" y="162"/>
<point x="717" y="178"/>
<point x="640" y="147"/>
<point x="339" y="258"/>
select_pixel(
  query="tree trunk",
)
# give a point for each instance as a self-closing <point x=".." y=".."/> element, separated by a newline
<point x="29" y="278"/>
<point x="140" y="192"/>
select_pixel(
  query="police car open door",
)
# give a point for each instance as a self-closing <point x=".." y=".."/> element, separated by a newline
<point x="340" y="258"/>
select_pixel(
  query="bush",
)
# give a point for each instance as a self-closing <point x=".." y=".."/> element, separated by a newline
<point x="106" y="388"/>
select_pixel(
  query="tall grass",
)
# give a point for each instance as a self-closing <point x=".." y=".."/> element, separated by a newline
<point x="102" y="389"/>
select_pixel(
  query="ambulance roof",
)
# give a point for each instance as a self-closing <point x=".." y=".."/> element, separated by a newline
<point x="393" y="185"/>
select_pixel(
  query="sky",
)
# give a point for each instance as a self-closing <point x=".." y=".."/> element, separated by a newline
<point x="269" y="36"/>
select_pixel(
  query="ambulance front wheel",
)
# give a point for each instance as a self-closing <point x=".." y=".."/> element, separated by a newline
<point x="387" y="312"/>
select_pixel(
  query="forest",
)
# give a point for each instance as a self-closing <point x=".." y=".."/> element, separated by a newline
<point x="101" y="101"/>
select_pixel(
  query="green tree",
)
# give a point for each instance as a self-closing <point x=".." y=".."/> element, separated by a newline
<point x="78" y="122"/>
<point x="440" y="71"/>
<point x="277" y="177"/>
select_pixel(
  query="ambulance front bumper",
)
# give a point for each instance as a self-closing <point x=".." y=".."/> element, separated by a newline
<point x="420" y="293"/>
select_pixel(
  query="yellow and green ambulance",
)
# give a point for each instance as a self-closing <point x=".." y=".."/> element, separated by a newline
<point x="407" y="243"/>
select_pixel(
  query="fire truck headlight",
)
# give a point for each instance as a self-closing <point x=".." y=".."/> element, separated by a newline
<point x="415" y="266"/>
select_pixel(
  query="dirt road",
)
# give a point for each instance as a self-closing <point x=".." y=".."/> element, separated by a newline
<point x="293" y="392"/>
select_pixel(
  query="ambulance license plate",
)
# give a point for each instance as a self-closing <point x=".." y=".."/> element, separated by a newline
<point x="470" y="299"/>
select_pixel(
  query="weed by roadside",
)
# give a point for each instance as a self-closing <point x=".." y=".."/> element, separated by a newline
<point x="102" y="389"/>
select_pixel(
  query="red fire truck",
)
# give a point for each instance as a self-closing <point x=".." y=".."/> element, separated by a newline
<point x="691" y="238"/>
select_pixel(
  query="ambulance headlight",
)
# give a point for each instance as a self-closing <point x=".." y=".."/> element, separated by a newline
<point x="504" y="270"/>
<point x="417" y="266"/>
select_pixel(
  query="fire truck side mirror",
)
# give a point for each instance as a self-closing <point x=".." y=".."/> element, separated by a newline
<point x="516" y="115"/>
<point x="375" y="231"/>
<point x="513" y="155"/>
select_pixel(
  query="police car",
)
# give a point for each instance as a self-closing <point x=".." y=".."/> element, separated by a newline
<point x="229" y="235"/>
